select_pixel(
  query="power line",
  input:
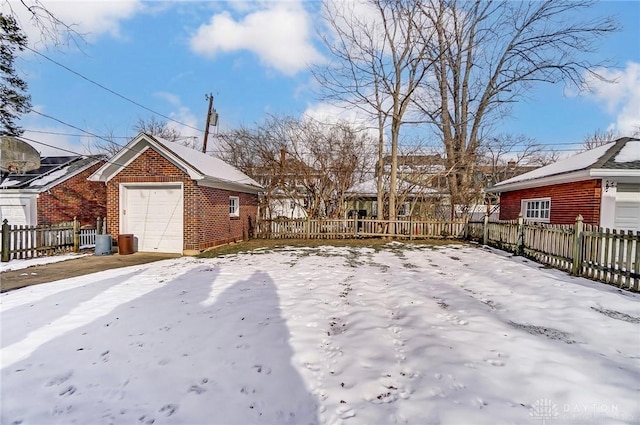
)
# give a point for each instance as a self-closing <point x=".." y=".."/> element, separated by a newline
<point x="57" y="133"/>
<point x="70" y="125"/>
<point x="112" y="91"/>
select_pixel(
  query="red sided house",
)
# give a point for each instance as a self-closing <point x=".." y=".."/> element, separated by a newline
<point x="174" y="199"/>
<point x="56" y="192"/>
<point x="602" y="184"/>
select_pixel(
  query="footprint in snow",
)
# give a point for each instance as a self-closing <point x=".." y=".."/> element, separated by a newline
<point x="60" y="379"/>
<point x="168" y="409"/>
<point x="145" y="420"/>
<point x="196" y="389"/>
<point x="68" y="391"/>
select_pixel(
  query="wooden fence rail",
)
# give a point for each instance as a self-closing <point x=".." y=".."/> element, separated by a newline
<point x="357" y="228"/>
<point x="21" y="242"/>
<point x="610" y="256"/>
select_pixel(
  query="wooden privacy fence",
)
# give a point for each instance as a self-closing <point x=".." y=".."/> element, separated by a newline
<point x="356" y="228"/>
<point x="21" y="242"/>
<point x="611" y="256"/>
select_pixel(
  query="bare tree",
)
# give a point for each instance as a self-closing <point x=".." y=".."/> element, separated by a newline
<point x="489" y="55"/>
<point x="156" y="127"/>
<point x="378" y="60"/>
<point x="602" y="137"/>
<point x="310" y="163"/>
<point x="111" y="144"/>
<point x="52" y="29"/>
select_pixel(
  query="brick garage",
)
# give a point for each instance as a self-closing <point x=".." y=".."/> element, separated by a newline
<point x="567" y="201"/>
<point x="187" y="194"/>
<point x="602" y="185"/>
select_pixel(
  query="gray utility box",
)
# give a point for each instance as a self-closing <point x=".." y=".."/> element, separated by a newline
<point x="103" y="245"/>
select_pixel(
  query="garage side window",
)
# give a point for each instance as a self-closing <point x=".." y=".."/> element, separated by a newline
<point x="234" y="206"/>
<point x="536" y="209"/>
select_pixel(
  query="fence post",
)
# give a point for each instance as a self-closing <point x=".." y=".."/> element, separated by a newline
<point x="99" y="226"/>
<point x="76" y="235"/>
<point x="6" y="238"/>
<point x="485" y="230"/>
<point x="520" y="242"/>
<point x="577" y="246"/>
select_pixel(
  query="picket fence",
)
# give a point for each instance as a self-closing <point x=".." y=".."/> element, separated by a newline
<point x="358" y="228"/>
<point x="21" y="242"/>
<point x="605" y="255"/>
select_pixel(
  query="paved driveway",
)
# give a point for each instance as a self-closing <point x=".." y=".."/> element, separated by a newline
<point x="72" y="268"/>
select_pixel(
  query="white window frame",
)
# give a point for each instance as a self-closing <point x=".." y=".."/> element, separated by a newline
<point x="536" y="209"/>
<point x="234" y="206"/>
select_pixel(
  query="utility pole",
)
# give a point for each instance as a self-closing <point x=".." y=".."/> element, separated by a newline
<point x="210" y="113"/>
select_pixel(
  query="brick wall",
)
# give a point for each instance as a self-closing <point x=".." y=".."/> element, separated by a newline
<point x="75" y="197"/>
<point x="216" y="226"/>
<point x="206" y="210"/>
<point x="567" y="201"/>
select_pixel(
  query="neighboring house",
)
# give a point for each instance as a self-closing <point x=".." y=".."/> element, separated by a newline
<point x="286" y="205"/>
<point x="175" y="199"/>
<point x="56" y="192"/>
<point x="602" y="184"/>
<point x="413" y="200"/>
<point x="422" y="190"/>
<point x="285" y="194"/>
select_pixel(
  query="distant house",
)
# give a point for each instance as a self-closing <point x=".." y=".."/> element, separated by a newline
<point x="56" y="192"/>
<point x="285" y="193"/>
<point x="175" y="199"/>
<point x="414" y="200"/>
<point x="422" y="189"/>
<point x="602" y="184"/>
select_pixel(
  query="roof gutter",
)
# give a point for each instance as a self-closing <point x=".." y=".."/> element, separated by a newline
<point x="544" y="181"/>
<point x="228" y="185"/>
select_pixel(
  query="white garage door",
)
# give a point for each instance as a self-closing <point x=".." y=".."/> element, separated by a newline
<point x="627" y="215"/>
<point x="154" y="215"/>
<point x="16" y="215"/>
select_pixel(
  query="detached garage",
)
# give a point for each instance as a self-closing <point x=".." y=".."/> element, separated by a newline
<point x="602" y="185"/>
<point x="155" y="213"/>
<point x="174" y="199"/>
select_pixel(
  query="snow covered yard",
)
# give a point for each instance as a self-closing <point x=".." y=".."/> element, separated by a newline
<point x="402" y="334"/>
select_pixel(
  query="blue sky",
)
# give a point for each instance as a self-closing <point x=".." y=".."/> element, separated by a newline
<point x="252" y="57"/>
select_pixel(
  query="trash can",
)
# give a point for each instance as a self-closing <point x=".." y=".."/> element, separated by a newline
<point x="103" y="245"/>
<point x="125" y="244"/>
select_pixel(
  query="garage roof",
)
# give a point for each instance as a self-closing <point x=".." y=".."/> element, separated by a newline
<point x="620" y="158"/>
<point x="207" y="170"/>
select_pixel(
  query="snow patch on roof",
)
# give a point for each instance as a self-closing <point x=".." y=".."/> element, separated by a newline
<point x="370" y="187"/>
<point x="8" y="183"/>
<point x="629" y="153"/>
<point x="577" y="162"/>
<point x="208" y="165"/>
<point x="48" y="178"/>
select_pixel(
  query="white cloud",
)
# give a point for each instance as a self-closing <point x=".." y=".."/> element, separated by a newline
<point x="279" y="34"/>
<point x="620" y="98"/>
<point x="90" y="18"/>
<point x="333" y="113"/>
